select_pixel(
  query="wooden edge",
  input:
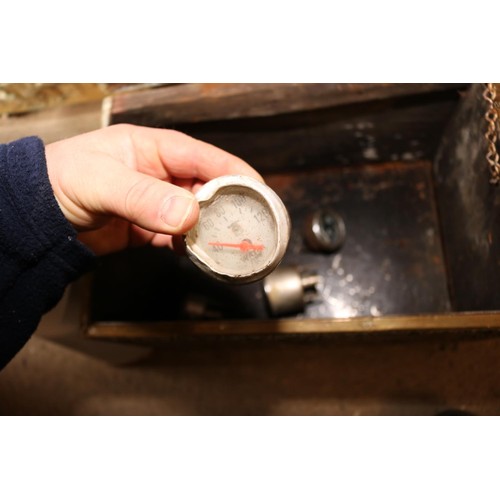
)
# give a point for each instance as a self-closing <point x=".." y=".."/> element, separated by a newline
<point x="53" y="124"/>
<point x="172" y="330"/>
<point x="196" y="102"/>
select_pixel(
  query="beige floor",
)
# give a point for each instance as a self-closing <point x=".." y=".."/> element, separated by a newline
<point x="418" y="377"/>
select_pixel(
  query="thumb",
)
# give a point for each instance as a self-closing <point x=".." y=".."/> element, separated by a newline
<point x="148" y="202"/>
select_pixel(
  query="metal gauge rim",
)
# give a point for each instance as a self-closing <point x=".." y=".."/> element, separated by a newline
<point x="277" y="209"/>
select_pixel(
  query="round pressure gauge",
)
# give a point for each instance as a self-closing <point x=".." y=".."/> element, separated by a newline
<point x="242" y="232"/>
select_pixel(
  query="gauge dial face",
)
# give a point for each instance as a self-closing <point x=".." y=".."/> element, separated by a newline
<point x="238" y="236"/>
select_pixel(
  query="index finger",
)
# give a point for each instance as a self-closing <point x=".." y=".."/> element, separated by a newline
<point x="186" y="157"/>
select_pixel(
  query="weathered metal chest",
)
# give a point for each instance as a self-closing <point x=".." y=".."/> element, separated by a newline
<point x="403" y="164"/>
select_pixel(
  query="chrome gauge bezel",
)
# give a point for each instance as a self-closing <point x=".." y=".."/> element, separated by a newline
<point x="208" y="193"/>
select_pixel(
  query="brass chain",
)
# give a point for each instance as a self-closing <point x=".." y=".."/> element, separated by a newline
<point x="491" y="135"/>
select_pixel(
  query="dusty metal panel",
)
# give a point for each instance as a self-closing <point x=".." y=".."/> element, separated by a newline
<point x="391" y="262"/>
<point x="283" y="127"/>
<point x="469" y="208"/>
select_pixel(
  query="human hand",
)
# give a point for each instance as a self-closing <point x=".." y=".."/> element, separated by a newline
<point x="128" y="186"/>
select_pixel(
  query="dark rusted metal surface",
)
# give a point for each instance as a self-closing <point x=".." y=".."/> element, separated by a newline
<point x="469" y="209"/>
<point x="391" y="262"/>
<point x="393" y="130"/>
<point x="354" y="131"/>
<point x="154" y="284"/>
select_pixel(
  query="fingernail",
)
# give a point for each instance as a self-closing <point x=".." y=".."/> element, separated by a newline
<point x="176" y="210"/>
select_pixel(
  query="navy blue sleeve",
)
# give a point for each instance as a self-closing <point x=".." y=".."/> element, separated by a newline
<point x="39" y="252"/>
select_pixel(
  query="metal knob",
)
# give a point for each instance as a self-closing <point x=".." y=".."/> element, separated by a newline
<point x="288" y="290"/>
<point x="324" y="231"/>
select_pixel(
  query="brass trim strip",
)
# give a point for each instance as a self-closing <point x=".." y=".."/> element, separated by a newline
<point x="167" y="330"/>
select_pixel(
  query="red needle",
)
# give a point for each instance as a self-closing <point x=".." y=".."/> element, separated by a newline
<point x="244" y="246"/>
